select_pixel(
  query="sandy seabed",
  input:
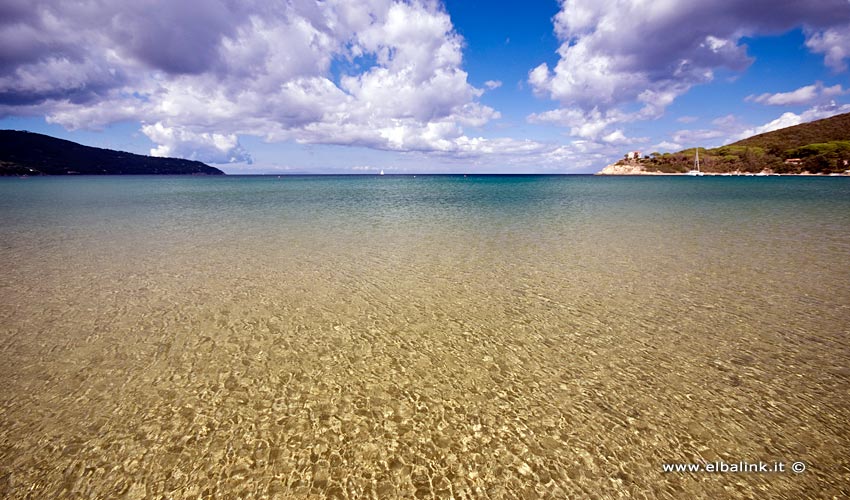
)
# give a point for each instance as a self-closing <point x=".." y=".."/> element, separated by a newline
<point x="495" y="362"/>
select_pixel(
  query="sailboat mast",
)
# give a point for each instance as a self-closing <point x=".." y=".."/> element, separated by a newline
<point x="696" y="160"/>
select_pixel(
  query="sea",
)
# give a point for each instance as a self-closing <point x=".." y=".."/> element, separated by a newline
<point x="428" y="336"/>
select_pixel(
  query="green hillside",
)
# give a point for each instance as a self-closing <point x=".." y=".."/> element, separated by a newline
<point x="818" y="147"/>
<point x="835" y="128"/>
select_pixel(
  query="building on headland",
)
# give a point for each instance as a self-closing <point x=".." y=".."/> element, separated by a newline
<point x="633" y="155"/>
<point x="794" y="161"/>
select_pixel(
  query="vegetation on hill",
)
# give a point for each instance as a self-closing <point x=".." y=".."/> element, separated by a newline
<point x="28" y="153"/>
<point x="819" y="147"/>
<point x="835" y="128"/>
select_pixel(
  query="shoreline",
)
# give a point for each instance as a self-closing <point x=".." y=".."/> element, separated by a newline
<point x="614" y="170"/>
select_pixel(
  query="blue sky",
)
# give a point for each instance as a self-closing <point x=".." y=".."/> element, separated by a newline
<point x="418" y="86"/>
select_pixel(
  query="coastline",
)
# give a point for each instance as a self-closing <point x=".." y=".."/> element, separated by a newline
<point x="631" y="170"/>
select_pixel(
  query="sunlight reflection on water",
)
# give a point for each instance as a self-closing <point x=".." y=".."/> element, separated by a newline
<point x="447" y="336"/>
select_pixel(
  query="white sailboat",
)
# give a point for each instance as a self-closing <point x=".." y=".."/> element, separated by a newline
<point x="382" y="172"/>
<point x="696" y="171"/>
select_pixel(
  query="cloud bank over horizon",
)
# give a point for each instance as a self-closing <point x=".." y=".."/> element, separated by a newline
<point x="197" y="72"/>
<point x="389" y="75"/>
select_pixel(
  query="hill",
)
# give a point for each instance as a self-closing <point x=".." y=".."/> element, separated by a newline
<point x="818" y="147"/>
<point x="28" y="153"/>
<point x="835" y="128"/>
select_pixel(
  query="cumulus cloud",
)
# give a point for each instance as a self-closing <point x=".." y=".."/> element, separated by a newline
<point x="591" y="124"/>
<point x="803" y="95"/>
<point x="201" y="73"/>
<point x="206" y="147"/>
<point x="492" y="84"/>
<point x="834" y="44"/>
<point x="585" y="124"/>
<point x="620" y="53"/>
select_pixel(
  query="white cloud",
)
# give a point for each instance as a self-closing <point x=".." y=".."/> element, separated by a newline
<point x="591" y="124"/>
<point x="585" y="124"/>
<point x="616" y="137"/>
<point x="205" y="147"/>
<point x="803" y="95"/>
<point x="202" y="71"/>
<point x="616" y="54"/>
<point x="834" y="44"/>
<point x="492" y="84"/>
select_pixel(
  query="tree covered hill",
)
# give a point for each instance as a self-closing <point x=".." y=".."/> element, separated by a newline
<point x="28" y="153"/>
<point x="818" y="147"/>
<point x="835" y="128"/>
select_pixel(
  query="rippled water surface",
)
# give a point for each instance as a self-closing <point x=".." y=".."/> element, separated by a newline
<point x="429" y="337"/>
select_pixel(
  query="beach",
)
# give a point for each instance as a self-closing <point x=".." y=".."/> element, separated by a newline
<point x="428" y="337"/>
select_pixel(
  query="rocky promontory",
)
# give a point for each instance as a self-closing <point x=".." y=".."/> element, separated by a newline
<point x="625" y="169"/>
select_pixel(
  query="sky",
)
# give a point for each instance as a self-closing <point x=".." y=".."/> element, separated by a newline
<point x="418" y="86"/>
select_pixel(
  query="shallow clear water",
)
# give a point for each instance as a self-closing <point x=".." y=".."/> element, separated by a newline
<point x="436" y="336"/>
